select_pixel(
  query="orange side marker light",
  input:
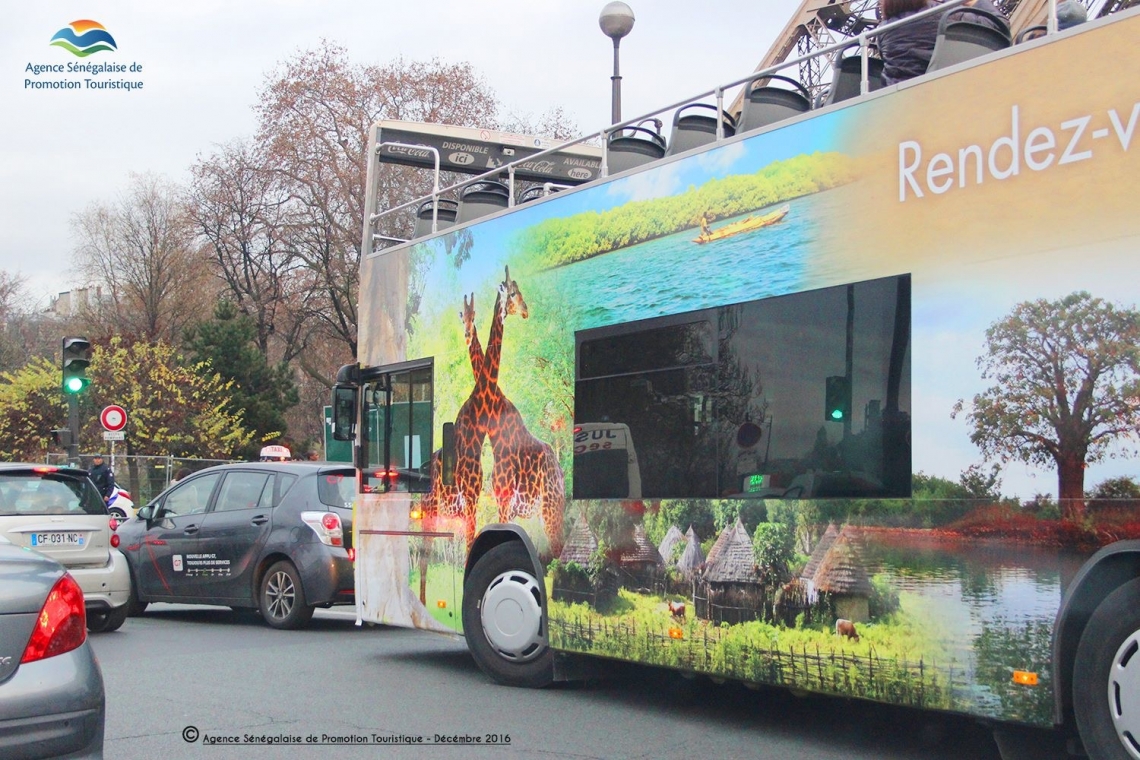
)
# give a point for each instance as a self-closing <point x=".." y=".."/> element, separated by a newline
<point x="1025" y="677"/>
<point x="676" y="633"/>
<point x="441" y="603"/>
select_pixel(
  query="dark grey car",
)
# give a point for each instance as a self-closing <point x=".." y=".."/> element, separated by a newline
<point x="51" y="690"/>
<point x="274" y="536"/>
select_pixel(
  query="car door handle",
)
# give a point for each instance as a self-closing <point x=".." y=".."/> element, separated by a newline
<point x="190" y="530"/>
<point x="259" y="520"/>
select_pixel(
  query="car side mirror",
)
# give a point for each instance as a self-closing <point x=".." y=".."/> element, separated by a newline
<point x="147" y="512"/>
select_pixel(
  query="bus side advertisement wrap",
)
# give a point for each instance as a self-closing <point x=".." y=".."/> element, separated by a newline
<point x="822" y="450"/>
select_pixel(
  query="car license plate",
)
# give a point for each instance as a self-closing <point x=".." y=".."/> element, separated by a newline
<point x="58" y="538"/>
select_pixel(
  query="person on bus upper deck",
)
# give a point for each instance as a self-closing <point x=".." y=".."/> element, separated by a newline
<point x="906" y="50"/>
<point x="1070" y="13"/>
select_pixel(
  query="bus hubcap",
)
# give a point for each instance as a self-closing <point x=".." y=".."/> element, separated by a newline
<point x="1124" y="694"/>
<point x="512" y="616"/>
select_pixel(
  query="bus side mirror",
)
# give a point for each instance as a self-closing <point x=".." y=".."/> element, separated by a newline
<point x="447" y="454"/>
<point x="344" y="412"/>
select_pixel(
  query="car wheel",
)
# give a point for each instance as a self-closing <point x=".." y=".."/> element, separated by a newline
<point x="105" y="622"/>
<point x="1106" y="677"/>
<point x="282" y="600"/>
<point x="502" y="618"/>
<point x="119" y="515"/>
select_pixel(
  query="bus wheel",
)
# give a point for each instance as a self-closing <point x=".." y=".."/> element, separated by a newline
<point x="502" y="618"/>
<point x="1106" y="677"/>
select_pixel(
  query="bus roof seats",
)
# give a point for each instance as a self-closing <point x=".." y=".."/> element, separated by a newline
<point x="960" y="39"/>
<point x="767" y="104"/>
<point x="444" y="218"/>
<point x="692" y="130"/>
<point x="481" y="198"/>
<point x="848" y="77"/>
<point x="536" y="192"/>
<point x="631" y="147"/>
<point x="1031" y="33"/>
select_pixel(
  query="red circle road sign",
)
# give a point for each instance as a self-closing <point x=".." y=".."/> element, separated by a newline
<point x="113" y="417"/>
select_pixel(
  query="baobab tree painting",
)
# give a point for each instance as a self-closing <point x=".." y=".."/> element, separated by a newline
<point x="1065" y="387"/>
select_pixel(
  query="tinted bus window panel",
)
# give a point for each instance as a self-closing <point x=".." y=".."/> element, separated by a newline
<point x="824" y="376"/>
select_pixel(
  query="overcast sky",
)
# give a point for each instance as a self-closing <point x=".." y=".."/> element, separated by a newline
<point x="203" y="62"/>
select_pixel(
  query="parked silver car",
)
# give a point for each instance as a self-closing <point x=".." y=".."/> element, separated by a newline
<point x="58" y="512"/>
<point x="51" y="690"/>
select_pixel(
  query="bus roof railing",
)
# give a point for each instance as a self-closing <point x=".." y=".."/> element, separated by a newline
<point x="862" y="40"/>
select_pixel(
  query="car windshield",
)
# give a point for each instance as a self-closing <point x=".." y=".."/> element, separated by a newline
<point x="47" y="493"/>
<point x="337" y="489"/>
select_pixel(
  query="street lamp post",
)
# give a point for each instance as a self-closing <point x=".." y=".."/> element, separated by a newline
<point x="616" y="22"/>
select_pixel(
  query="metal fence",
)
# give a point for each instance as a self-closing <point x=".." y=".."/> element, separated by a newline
<point x="143" y="476"/>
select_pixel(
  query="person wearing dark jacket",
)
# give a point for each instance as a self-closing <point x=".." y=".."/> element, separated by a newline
<point x="906" y="50"/>
<point x="102" y="477"/>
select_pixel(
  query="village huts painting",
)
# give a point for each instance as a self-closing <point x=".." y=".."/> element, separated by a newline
<point x="673" y="537"/>
<point x="842" y="577"/>
<point x="818" y="552"/>
<point x="714" y="552"/>
<point x="729" y="590"/>
<point x="640" y="563"/>
<point x="571" y="576"/>
<point x="691" y="560"/>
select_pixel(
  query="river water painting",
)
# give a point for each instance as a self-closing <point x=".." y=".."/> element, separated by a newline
<point x="673" y="274"/>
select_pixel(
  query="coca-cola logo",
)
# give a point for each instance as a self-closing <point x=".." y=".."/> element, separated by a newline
<point x="579" y="174"/>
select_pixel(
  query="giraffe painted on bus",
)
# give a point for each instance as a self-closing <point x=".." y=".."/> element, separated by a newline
<point x="461" y="499"/>
<point x="526" y="477"/>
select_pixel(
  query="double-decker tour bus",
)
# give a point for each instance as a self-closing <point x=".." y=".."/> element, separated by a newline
<point x="825" y="322"/>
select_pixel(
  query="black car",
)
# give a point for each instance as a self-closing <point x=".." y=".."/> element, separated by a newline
<point x="274" y="536"/>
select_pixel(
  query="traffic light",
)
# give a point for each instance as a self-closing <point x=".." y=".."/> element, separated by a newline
<point x="61" y="437"/>
<point x="838" y="399"/>
<point x="76" y="357"/>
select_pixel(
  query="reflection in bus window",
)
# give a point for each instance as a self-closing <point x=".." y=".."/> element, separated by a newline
<point x="810" y="391"/>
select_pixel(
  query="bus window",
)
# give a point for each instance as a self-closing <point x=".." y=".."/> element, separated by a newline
<point x="827" y="372"/>
<point x="397" y="418"/>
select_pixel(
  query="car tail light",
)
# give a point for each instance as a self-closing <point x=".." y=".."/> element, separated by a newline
<point x="327" y="526"/>
<point x="126" y="494"/>
<point x="114" y="540"/>
<point x="351" y="554"/>
<point x="62" y="624"/>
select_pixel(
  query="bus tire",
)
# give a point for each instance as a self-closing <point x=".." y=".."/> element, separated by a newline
<point x="502" y="618"/>
<point x="1106" y="677"/>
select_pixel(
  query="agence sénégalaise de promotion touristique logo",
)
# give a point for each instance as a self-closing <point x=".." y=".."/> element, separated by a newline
<point x="83" y="38"/>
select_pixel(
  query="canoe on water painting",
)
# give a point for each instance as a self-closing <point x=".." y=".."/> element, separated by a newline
<point x="744" y="225"/>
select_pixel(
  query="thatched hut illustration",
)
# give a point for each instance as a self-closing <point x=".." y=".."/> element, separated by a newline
<point x="729" y="590"/>
<point x="691" y="558"/>
<point x="817" y="554"/>
<point x="721" y="540"/>
<point x="573" y="581"/>
<point x="640" y="563"/>
<point x="672" y="537"/>
<point x="842" y="577"/>
<point x="580" y="544"/>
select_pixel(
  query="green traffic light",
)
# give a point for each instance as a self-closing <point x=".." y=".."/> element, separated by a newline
<point x="836" y="414"/>
<point x="74" y="385"/>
